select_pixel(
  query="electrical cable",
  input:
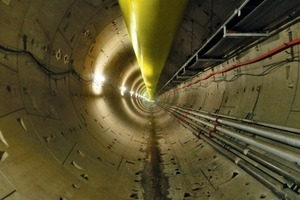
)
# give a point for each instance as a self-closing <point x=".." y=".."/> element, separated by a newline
<point x="44" y="67"/>
<point x="269" y="69"/>
<point x="252" y="61"/>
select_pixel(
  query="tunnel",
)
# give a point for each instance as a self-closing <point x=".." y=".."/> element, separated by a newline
<point x="76" y="122"/>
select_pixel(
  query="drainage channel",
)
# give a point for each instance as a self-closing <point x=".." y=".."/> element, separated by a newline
<point x="154" y="182"/>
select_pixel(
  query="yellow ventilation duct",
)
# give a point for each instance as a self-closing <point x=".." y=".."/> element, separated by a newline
<point x="152" y="25"/>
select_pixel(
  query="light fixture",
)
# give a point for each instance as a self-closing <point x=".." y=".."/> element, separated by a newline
<point x="99" y="78"/>
<point x="97" y="83"/>
<point x="122" y="89"/>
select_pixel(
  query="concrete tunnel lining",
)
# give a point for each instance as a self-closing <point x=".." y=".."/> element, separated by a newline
<point x="59" y="140"/>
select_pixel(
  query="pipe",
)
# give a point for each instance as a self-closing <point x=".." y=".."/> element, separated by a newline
<point x="274" y="126"/>
<point x="274" y="185"/>
<point x="293" y="140"/>
<point x="268" y="125"/>
<point x="286" y="154"/>
<point x="152" y="26"/>
<point x="277" y="167"/>
<point x="283" y="170"/>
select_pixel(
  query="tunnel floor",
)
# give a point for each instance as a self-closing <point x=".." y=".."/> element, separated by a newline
<point x="154" y="182"/>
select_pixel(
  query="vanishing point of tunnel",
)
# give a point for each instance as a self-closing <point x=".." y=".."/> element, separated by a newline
<point x="149" y="100"/>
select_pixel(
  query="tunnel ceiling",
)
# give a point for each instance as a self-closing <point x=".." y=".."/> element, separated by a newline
<point x="100" y="33"/>
<point x="200" y="41"/>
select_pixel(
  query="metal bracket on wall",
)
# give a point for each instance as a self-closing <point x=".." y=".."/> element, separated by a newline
<point x="234" y="34"/>
<point x="182" y="77"/>
<point x="175" y="81"/>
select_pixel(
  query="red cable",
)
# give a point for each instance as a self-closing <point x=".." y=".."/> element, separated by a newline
<point x="262" y="57"/>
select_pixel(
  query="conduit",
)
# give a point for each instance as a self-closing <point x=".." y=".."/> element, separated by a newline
<point x="273" y="184"/>
<point x="289" y="139"/>
<point x="43" y="66"/>
<point x="285" y="171"/>
<point x="274" y="126"/>
<point x="279" y="151"/>
<point x="252" y="61"/>
<point x="277" y="167"/>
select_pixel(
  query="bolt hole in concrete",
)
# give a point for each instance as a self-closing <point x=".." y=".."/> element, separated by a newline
<point x="20" y="120"/>
<point x="85" y="176"/>
<point x="58" y="54"/>
<point x="262" y="196"/>
<point x="187" y="194"/>
<point x="3" y="155"/>
<point x="8" y="88"/>
<point x="66" y="59"/>
<point x="134" y="196"/>
<point x="75" y="186"/>
<point x="3" y="140"/>
<point x="234" y="174"/>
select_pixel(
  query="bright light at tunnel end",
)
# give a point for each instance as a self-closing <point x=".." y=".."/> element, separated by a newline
<point x="149" y="100"/>
<point x="144" y="96"/>
<point x="131" y="93"/>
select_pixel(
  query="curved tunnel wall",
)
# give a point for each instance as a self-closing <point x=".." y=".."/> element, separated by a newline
<point x="59" y="140"/>
<point x="266" y="90"/>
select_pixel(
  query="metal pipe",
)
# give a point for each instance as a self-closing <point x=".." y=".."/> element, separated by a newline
<point x="293" y="140"/>
<point x="274" y="126"/>
<point x="275" y="150"/>
<point x="279" y="168"/>
<point x="289" y="139"/>
<point x="274" y="185"/>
